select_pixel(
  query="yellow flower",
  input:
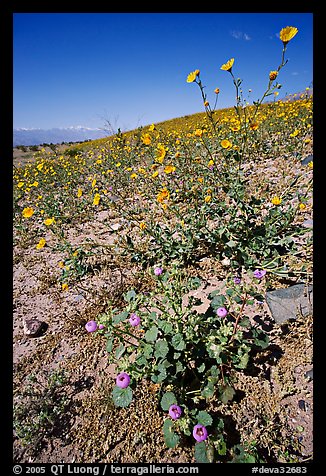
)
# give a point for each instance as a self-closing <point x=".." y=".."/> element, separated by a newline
<point x="34" y="184"/>
<point x="96" y="199"/>
<point x="142" y="225"/>
<point x="192" y="76"/>
<point x="276" y="200"/>
<point x="228" y="65"/>
<point x="99" y="161"/>
<point x="254" y="126"/>
<point x="151" y="127"/>
<point x="235" y="128"/>
<point x="61" y="264"/>
<point x="206" y="103"/>
<point x="146" y="139"/>
<point x="48" y="221"/>
<point x="161" y="153"/>
<point x="295" y="133"/>
<point x="79" y="192"/>
<point x="198" y="132"/>
<point x="64" y="287"/>
<point x="155" y="174"/>
<point x="216" y="90"/>
<point x="133" y="176"/>
<point x="302" y="206"/>
<point x="208" y="198"/>
<point x="226" y="144"/>
<point x="40" y="244"/>
<point x="210" y="163"/>
<point x="287" y="33"/>
<point x="311" y="164"/>
<point x="20" y="184"/>
<point x="163" y="195"/>
<point x="177" y="154"/>
<point x="169" y="169"/>
<point x="93" y="183"/>
<point x="273" y="75"/>
<point x="39" y="166"/>
<point x="27" y="212"/>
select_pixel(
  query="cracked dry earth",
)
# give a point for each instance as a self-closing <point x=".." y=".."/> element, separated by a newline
<point x="272" y="406"/>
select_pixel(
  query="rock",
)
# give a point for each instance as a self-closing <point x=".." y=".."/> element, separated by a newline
<point x="34" y="327"/>
<point x="115" y="226"/>
<point x="306" y="160"/>
<point x="308" y="224"/>
<point x="309" y="375"/>
<point x="285" y="304"/>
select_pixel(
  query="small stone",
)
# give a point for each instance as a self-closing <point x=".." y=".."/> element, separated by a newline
<point x="309" y="375"/>
<point x="115" y="226"/>
<point x="285" y="304"/>
<point x="308" y="224"/>
<point x="34" y="327"/>
<point x="302" y="405"/>
<point x="306" y="160"/>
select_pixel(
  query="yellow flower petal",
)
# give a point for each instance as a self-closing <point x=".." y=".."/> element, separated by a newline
<point x="228" y="65"/>
<point x="287" y="33"/>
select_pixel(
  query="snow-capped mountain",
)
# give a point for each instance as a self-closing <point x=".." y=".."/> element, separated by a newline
<point x="56" y="135"/>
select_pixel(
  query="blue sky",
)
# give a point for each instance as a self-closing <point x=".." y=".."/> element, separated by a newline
<point x="130" y="68"/>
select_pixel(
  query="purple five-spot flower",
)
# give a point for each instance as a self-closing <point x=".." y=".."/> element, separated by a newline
<point x="200" y="432"/>
<point x="91" y="326"/>
<point x="259" y="273"/>
<point x="123" y="380"/>
<point x="221" y="312"/>
<point x="175" y="412"/>
<point x="134" y="319"/>
<point x="237" y="280"/>
<point x="158" y="271"/>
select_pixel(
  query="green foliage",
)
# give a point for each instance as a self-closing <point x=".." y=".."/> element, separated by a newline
<point x="41" y="410"/>
<point x="193" y="363"/>
<point x="122" y="397"/>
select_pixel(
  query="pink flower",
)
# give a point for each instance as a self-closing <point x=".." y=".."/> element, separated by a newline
<point x="158" y="271"/>
<point x="175" y="412"/>
<point x="123" y="380"/>
<point x="134" y="319"/>
<point x="200" y="433"/>
<point x="91" y="326"/>
<point x="259" y="273"/>
<point x="221" y="312"/>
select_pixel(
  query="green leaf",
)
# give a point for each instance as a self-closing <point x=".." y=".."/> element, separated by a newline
<point x="147" y="350"/>
<point x="242" y="364"/>
<point x="122" y="397"/>
<point x="178" y="342"/>
<point x="204" y="418"/>
<point x="218" y="301"/>
<point x="194" y="283"/>
<point x="226" y="393"/>
<point x="171" y="439"/>
<point x="209" y="390"/>
<point x="165" y="326"/>
<point x="167" y="400"/>
<point x="179" y="367"/>
<point x="130" y="295"/>
<point x="201" y="368"/>
<point x="151" y="334"/>
<point x="109" y="345"/>
<point x="120" y="351"/>
<point x="200" y="452"/>
<point x="120" y="317"/>
<point x="161" y="348"/>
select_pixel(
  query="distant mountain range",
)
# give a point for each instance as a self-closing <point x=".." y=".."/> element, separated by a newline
<point x="55" y="135"/>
